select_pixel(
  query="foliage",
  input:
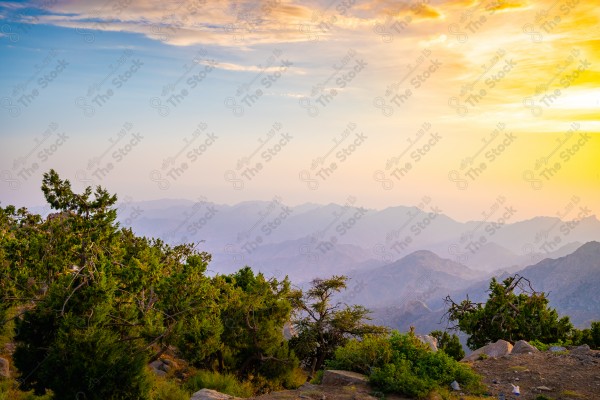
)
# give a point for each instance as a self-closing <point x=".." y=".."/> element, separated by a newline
<point x="362" y="355"/>
<point x="224" y="383"/>
<point x="450" y="344"/>
<point x="401" y="363"/>
<point x="323" y="326"/>
<point x="163" y="389"/>
<point x="318" y="377"/>
<point x="9" y="391"/>
<point x="89" y="304"/>
<point x="541" y="346"/>
<point x="589" y="336"/>
<point x="513" y="311"/>
<point x="255" y="312"/>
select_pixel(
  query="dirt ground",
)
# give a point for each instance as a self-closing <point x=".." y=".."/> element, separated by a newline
<point x="567" y="375"/>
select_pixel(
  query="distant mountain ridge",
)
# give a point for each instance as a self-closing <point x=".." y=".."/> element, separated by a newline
<point x="382" y="235"/>
<point x="570" y="282"/>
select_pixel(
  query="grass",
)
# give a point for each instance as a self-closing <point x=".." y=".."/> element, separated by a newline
<point x="224" y="383"/>
<point x="168" y="390"/>
<point x="572" y="393"/>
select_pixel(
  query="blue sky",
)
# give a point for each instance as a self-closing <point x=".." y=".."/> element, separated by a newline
<point x="313" y="102"/>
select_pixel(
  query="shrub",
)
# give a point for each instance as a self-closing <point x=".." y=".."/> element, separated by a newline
<point x="318" y="378"/>
<point x="168" y="390"/>
<point x="362" y="356"/>
<point x="224" y="383"/>
<point x="400" y="363"/>
<point x="449" y="344"/>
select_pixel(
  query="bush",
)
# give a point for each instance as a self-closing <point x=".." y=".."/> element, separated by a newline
<point x="362" y="356"/>
<point x="449" y="344"/>
<point x="402" y="364"/>
<point x="318" y="378"/>
<point x="224" y="383"/>
<point x="168" y="390"/>
<point x="9" y="391"/>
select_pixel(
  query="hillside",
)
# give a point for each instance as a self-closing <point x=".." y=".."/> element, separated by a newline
<point x="418" y="276"/>
<point x="570" y="282"/>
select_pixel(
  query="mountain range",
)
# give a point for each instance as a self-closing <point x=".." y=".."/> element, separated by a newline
<point x="315" y="240"/>
<point x="402" y="261"/>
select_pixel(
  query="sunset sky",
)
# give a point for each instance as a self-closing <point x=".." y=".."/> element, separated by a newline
<point x="459" y="101"/>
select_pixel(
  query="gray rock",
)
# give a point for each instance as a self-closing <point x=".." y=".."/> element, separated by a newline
<point x="430" y="340"/>
<point x="4" y="368"/>
<point x="583" y="349"/>
<point x="523" y="347"/>
<point x="556" y="349"/>
<point x="343" y="378"/>
<point x="158" y="367"/>
<point x="209" y="394"/>
<point x="307" y="386"/>
<point x="543" y="389"/>
<point x="498" y="349"/>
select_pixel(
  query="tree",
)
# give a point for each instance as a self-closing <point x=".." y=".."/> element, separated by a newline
<point x="514" y="311"/>
<point x="98" y="303"/>
<point x="450" y="344"/>
<point x="323" y="326"/>
<point x="589" y="336"/>
<point x="254" y="313"/>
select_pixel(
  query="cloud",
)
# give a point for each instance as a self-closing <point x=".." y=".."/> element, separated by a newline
<point x="501" y="5"/>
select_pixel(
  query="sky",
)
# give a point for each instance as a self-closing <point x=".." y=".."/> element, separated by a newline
<point x="461" y="102"/>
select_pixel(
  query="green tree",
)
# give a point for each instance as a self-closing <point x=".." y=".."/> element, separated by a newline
<point x="450" y="344"/>
<point x="255" y="311"/>
<point x="322" y="326"/>
<point x="514" y="311"/>
<point x="98" y="303"/>
<point x="589" y="336"/>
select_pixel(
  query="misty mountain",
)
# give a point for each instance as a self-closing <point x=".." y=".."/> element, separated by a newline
<point x="420" y="276"/>
<point x="570" y="282"/>
<point x="497" y="243"/>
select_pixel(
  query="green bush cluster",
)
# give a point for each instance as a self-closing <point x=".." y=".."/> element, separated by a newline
<point x="224" y="383"/>
<point x="400" y="363"/>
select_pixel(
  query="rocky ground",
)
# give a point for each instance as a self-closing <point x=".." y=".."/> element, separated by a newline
<point x="557" y="375"/>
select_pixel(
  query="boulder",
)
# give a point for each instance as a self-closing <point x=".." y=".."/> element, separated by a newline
<point x="556" y="349"/>
<point x="343" y="378"/>
<point x="498" y="349"/>
<point x="158" y="368"/>
<point x="209" y="394"/>
<point x="523" y="347"/>
<point x="583" y="349"/>
<point x="429" y="340"/>
<point x="4" y="368"/>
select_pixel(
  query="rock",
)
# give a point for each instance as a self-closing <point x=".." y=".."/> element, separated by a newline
<point x="556" y="349"/>
<point x="209" y="394"/>
<point x="158" y="367"/>
<point x="307" y="386"/>
<point x="430" y="340"/>
<point x="343" y="378"/>
<point x="543" y="389"/>
<point x="584" y="349"/>
<point x="4" y="368"/>
<point x="523" y="347"/>
<point x="455" y="386"/>
<point x="498" y="349"/>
